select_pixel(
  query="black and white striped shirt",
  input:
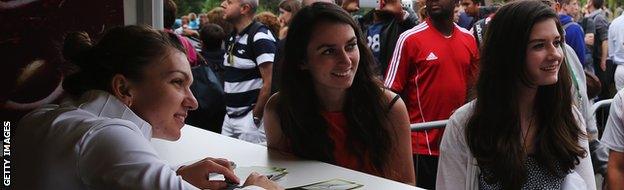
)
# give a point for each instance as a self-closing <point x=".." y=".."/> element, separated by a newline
<point x="242" y="79"/>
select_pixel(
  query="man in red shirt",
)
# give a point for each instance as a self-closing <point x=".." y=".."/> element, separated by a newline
<point x="432" y="68"/>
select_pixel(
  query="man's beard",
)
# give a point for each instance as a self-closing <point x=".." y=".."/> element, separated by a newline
<point x="233" y="19"/>
<point x="441" y="16"/>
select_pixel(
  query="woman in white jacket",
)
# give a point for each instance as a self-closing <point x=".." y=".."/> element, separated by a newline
<point x="130" y="87"/>
<point x="523" y="131"/>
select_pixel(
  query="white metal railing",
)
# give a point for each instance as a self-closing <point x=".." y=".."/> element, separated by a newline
<point x="600" y="104"/>
<point x="442" y="123"/>
<point x="428" y="125"/>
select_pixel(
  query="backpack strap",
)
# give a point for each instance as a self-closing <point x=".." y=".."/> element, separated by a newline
<point x="393" y="101"/>
<point x="253" y="30"/>
<point x="566" y="25"/>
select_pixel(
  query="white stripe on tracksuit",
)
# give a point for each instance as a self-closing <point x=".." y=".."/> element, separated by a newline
<point x="394" y="63"/>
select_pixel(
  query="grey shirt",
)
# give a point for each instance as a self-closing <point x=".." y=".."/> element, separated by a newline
<point x="613" y="136"/>
<point x="602" y="28"/>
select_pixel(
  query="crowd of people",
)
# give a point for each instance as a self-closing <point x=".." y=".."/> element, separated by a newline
<point x="515" y="81"/>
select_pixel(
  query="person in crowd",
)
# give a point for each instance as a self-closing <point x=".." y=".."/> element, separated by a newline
<point x="589" y="28"/>
<point x="523" y="131"/>
<point x="193" y="22"/>
<point x="574" y="35"/>
<point x="287" y="9"/>
<point x="419" y="8"/>
<point x="471" y="8"/>
<point x="169" y="11"/>
<point x="433" y="67"/>
<point x="207" y="85"/>
<point x="203" y="20"/>
<point x="618" y="11"/>
<point x="185" y="22"/>
<point x="248" y="62"/>
<point x="382" y="28"/>
<point x="482" y="16"/>
<point x="269" y="20"/>
<point x="456" y="12"/>
<point x="185" y="30"/>
<point x="212" y="37"/>
<point x="600" y="49"/>
<point x="310" y="2"/>
<point x="607" y="12"/>
<point x="479" y="27"/>
<point x="616" y="49"/>
<point x="613" y="137"/>
<point x="215" y="16"/>
<point x="579" y="90"/>
<point x="331" y="107"/>
<point x="130" y="87"/>
<point x="464" y="20"/>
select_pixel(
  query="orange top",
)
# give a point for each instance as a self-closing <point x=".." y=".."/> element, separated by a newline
<point x="343" y="156"/>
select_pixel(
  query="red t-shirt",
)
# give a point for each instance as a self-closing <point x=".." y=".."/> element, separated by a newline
<point x="432" y="73"/>
<point x="338" y="131"/>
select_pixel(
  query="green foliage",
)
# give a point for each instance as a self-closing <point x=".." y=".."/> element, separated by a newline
<point x="187" y="6"/>
<point x="202" y="6"/>
<point x="269" y="5"/>
<point x="210" y="4"/>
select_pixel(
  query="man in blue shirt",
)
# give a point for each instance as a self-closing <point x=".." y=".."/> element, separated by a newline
<point x="574" y="35"/>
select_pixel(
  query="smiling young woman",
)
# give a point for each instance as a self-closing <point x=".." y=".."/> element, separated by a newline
<point x="523" y="131"/>
<point x="331" y="107"/>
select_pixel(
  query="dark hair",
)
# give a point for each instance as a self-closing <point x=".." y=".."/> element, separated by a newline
<point x="212" y="36"/>
<point x="292" y="6"/>
<point x="598" y="3"/>
<point x="76" y="43"/>
<point x="493" y="132"/>
<point x="303" y="126"/>
<point x="170" y="9"/>
<point x="124" y="50"/>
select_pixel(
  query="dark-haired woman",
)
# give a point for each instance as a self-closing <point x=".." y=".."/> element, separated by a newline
<point x="287" y="9"/>
<point x="330" y="106"/>
<point x="130" y="87"/>
<point x="523" y="131"/>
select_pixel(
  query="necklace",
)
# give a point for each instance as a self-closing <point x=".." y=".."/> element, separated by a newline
<point x="524" y="138"/>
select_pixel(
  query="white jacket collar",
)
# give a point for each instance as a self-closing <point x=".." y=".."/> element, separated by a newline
<point x="103" y="104"/>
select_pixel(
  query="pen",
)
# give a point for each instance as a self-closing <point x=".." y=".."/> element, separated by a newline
<point x="274" y="177"/>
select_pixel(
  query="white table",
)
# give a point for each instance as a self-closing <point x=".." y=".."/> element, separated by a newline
<point x="197" y="143"/>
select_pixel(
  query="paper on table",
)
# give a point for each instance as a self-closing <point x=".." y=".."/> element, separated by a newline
<point x="273" y="173"/>
<point x="333" y="184"/>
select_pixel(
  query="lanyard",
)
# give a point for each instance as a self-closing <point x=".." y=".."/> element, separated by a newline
<point x="575" y="81"/>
